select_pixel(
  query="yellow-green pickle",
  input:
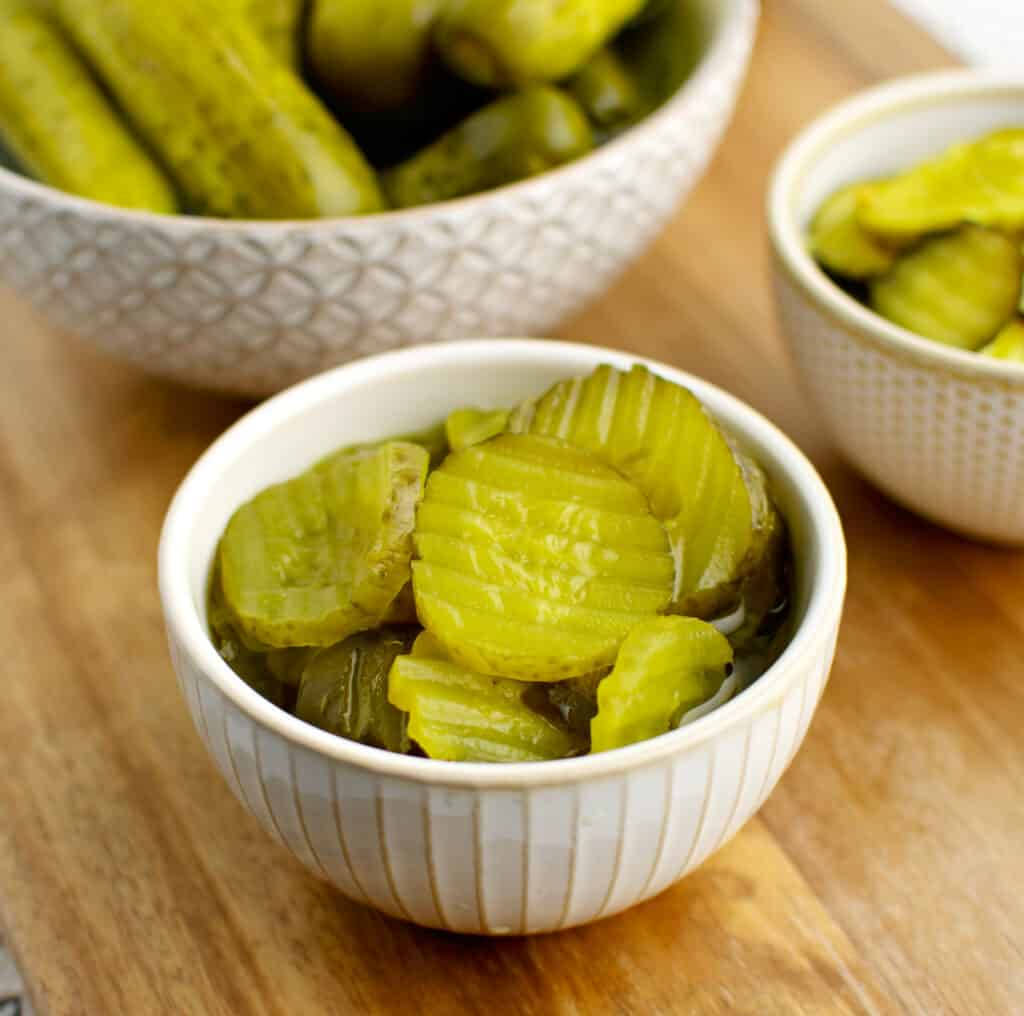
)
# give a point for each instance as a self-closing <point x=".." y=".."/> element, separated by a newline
<point x="279" y="24"/>
<point x="518" y="136"/>
<point x="606" y="91"/>
<point x="558" y="552"/>
<point x="240" y="132"/>
<point x="58" y="124"/>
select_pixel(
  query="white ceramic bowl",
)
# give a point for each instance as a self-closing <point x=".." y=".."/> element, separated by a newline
<point x="495" y="849"/>
<point x="251" y="307"/>
<point x="938" y="429"/>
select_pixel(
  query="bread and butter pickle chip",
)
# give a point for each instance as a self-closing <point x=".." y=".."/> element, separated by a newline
<point x="666" y="667"/>
<point x="957" y="288"/>
<point x="319" y="557"/>
<point x="459" y="715"/>
<point x="841" y="244"/>
<point x="659" y="436"/>
<point x="512" y="582"/>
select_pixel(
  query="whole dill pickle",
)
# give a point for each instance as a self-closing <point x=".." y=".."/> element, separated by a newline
<point x="514" y="42"/>
<point x="370" y="56"/>
<point x="240" y="132"/>
<point x="517" y="136"/>
<point x="61" y="128"/>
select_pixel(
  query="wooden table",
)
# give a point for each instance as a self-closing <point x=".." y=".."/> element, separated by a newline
<point x="884" y="875"/>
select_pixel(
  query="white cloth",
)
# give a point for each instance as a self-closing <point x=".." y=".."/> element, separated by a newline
<point x="979" y="31"/>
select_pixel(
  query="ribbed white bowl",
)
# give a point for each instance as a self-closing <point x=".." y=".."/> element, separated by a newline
<point x="938" y="429"/>
<point x="251" y="307"/>
<point x="472" y="847"/>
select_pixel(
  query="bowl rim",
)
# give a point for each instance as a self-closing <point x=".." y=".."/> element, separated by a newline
<point x="188" y="633"/>
<point x="798" y="159"/>
<point x="729" y="26"/>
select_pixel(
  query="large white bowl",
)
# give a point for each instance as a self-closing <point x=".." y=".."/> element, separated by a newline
<point x="938" y="429"/>
<point x="495" y="849"/>
<point x="251" y="307"/>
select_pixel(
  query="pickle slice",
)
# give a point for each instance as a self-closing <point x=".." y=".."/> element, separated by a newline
<point x="957" y="288"/>
<point x="313" y="560"/>
<point x="658" y="435"/>
<point x="1009" y="343"/>
<point x="535" y="559"/>
<point x="576" y="701"/>
<point x="467" y="427"/>
<point x="981" y="182"/>
<point x="344" y="689"/>
<point x="838" y="241"/>
<point x="666" y="667"/>
<point x="462" y="716"/>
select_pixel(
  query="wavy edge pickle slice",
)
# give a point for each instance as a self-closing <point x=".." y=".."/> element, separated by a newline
<point x="667" y="667"/>
<point x="955" y="288"/>
<point x="464" y="428"/>
<point x="838" y="241"/>
<point x="1008" y="343"/>
<point x="462" y="716"/>
<point x="659" y="436"/>
<point x="479" y="575"/>
<point x="312" y="560"/>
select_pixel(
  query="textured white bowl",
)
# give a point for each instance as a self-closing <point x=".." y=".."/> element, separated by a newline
<point x="938" y="429"/>
<point x="474" y="847"/>
<point x="251" y="307"/>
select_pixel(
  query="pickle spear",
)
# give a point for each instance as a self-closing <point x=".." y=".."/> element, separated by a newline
<point x="463" y="716"/>
<point x="61" y="128"/>
<point x="322" y="556"/>
<point x="240" y="132"/>
<point x="511" y="138"/>
<point x="666" y="667"/>
<point x="535" y="559"/>
<point x="505" y="43"/>
<point x="957" y="288"/>
<point x="658" y="435"/>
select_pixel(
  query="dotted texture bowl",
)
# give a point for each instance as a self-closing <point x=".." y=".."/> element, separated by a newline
<point x="479" y="848"/>
<point x="938" y="429"/>
<point x="252" y="307"/>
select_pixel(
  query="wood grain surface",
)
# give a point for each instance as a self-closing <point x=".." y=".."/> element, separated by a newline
<point x="884" y="875"/>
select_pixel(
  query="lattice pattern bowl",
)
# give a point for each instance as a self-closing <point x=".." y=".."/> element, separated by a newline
<point x="252" y="307"/>
<point x="491" y="849"/>
<point x="938" y="429"/>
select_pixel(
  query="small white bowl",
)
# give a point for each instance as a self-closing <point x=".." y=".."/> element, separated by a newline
<point x="491" y="849"/>
<point x="251" y="307"/>
<point x="939" y="429"/>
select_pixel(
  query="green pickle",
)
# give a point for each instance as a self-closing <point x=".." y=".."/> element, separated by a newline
<point x="371" y="56"/>
<point x="466" y="427"/>
<point x="980" y="182"/>
<point x="319" y="557"/>
<point x="508" y="577"/>
<point x="840" y="242"/>
<point x="462" y="716"/>
<point x="514" y="137"/>
<point x="956" y="288"/>
<point x="241" y="133"/>
<point x="1009" y="343"/>
<point x="666" y="667"/>
<point x="344" y="689"/>
<point x="606" y="91"/>
<point x="59" y="125"/>
<point x="505" y="43"/>
<point x="279" y="25"/>
<point x="658" y="435"/>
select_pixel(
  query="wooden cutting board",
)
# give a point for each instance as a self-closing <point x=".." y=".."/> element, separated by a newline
<point x="884" y="875"/>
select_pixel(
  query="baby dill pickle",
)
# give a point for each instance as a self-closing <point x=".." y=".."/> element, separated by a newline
<point x="504" y="43"/>
<point x="840" y="243"/>
<point x="463" y="716"/>
<point x="1009" y="343"/>
<point x="666" y="667"/>
<point x="981" y="182"/>
<point x="319" y="557"/>
<point x="61" y="128"/>
<point x="658" y="435"/>
<point x="956" y="288"/>
<point x="535" y="559"/>
<point x="465" y="427"/>
<point x="516" y="136"/>
<point x="344" y="688"/>
<point x="606" y="91"/>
